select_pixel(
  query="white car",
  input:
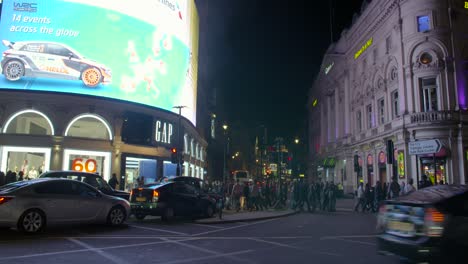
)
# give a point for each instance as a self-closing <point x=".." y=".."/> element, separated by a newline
<point x="30" y="206"/>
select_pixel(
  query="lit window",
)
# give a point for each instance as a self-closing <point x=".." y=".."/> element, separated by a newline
<point x="369" y="116"/>
<point x="423" y="23"/>
<point x="395" y="105"/>
<point x="381" y="105"/>
<point x="429" y="101"/>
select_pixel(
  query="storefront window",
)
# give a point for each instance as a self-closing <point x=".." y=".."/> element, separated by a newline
<point x="169" y="169"/>
<point x="89" y="126"/>
<point x="29" y="122"/>
<point x="87" y="161"/>
<point x="31" y="161"/>
<point x="139" y="167"/>
<point x="438" y="175"/>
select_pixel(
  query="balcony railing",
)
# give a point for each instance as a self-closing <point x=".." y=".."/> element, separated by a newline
<point x="434" y="116"/>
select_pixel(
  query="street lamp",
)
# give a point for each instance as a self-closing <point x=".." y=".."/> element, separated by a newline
<point x="225" y="128"/>
<point x="179" y="141"/>
<point x="296" y="141"/>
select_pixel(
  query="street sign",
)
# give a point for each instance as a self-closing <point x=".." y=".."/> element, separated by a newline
<point x="424" y="147"/>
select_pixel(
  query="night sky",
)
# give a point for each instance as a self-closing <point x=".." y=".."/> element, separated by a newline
<point x="261" y="57"/>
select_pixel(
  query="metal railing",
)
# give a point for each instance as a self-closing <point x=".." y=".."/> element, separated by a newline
<point x="434" y="116"/>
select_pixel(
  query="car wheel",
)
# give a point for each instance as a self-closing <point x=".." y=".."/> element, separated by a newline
<point x="13" y="70"/>
<point x="116" y="216"/>
<point x="91" y="77"/>
<point x="209" y="211"/>
<point x="140" y="216"/>
<point x="32" y="221"/>
<point x="168" y="214"/>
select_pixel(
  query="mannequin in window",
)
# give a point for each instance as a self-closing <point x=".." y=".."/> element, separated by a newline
<point x="25" y="167"/>
<point x="41" y="168"/>
<point x="32" y="174"/>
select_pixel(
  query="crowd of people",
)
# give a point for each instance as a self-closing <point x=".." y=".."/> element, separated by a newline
<point x="260" y="195"/>
<point x="369" y="198"/>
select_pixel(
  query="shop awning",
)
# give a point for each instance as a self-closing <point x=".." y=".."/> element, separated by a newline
<point x="443" y="152"/>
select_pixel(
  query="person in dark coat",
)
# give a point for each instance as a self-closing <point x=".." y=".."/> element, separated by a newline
<point x="113" y="182"/>
<point x="10" y="177"/>
<point x="20" y="176"/>
<point x="425" y="182"/>
<point x="2" y="178"/>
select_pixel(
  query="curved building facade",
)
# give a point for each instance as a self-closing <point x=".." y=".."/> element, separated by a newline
<point x="394" y="84"/>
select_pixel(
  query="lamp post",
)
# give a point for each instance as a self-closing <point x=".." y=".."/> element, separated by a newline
<point x="179" y="141"/>
<point x="225" y="127"/>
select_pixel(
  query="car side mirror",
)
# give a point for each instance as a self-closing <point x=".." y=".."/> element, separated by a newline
<point x="70" y="56"/>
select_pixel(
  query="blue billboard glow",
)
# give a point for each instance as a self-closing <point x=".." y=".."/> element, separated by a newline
<point x="137" y="50"/>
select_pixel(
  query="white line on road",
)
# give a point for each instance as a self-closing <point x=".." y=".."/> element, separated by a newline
<point x="353" y="241"/>
<point x="100" y="252"/>
<point x="209" y="257"/>
<point x="234" y="227"/>
<point x="350" y="236"/>
<point x="274" y="243"/>
<point x="207" y="250"/>
<point x="85" y="250"/>
<point x="160" y="230"/>
<point x="211" y="226"/>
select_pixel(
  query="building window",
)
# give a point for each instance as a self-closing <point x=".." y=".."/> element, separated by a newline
<point x="395" y="105"/>
<point x="388" y="44"/>
<point x="429" y="100"/>
<point x="359" y="121"/>
<point x="374" y="56"/>
<point x="381" y="105"/>
<point x="369" y="116"/>
<point x="423" y="23"/>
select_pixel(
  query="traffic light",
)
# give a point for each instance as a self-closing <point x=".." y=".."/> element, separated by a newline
<point x="174" y="156"/>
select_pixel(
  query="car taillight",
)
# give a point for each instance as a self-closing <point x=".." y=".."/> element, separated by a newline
<point x="4" y="199"/>
<point x="155" y="196"/>
<point x="434" y="222"/>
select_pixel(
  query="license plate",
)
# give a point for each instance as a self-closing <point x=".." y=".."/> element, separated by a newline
<point x="401" y="226"/>
<point x="141" y="199"/>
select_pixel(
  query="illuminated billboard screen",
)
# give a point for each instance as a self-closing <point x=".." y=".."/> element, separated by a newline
<point x="140" y="51"/>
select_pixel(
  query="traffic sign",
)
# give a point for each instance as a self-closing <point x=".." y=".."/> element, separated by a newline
<point x="424" y="147"/>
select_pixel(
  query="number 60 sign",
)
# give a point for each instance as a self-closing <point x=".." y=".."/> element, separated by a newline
<point x="84" y="165"/>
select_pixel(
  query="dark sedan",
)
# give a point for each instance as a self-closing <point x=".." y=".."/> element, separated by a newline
<point x="92" y="179"/>
<point x="429" y="225"/>
<point x="170" y="199"/>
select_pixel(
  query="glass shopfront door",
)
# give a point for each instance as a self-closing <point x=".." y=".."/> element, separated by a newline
<point x="88" y="161"/>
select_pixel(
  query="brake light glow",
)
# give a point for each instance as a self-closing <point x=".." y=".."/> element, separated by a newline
<point x="434" y="215"/>
<point x="155" y="196"/>
<point x="4" y="199"/>
<point x="434" y="222"/>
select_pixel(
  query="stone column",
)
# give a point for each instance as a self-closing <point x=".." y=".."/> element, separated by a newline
<point x="347" y="104"/>
<point x="56" y="157"/>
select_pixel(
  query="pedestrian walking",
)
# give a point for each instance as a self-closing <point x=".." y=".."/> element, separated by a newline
<point x="332" y="197"/>
<point x="10" y="177"/>
<point x="360" y="198"/>
<point x="409" y="188"/>
<point x="312" y="196"/>
<point x="2" y="178"/>
<point x="113" y="182"/>
<point x="236" y="196"/>
<point x="425" y="182"/>
<point x="394" y="189"/>
<point x="20" y="176"/>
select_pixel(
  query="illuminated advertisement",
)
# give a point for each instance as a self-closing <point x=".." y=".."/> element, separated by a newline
<point x="363" y="48"/>
<point x="140" y="51"/>
<point x="401" y="164"/>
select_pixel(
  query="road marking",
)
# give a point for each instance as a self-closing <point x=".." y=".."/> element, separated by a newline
<point x="274" y="243"/>
<point x="234" y="227"/>
<point x="354" y="241"/>
<point x="349" y="236"/>
<point x="85" y="250"/>
<point x="161" y="230"/>
<point x="100" y="252"/>
<point x="210" y="257"/>
<point x="211" y="226"/>
<point x="206" y="250"/>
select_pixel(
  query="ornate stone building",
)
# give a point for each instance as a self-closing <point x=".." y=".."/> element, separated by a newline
<point x="399" y="74"/>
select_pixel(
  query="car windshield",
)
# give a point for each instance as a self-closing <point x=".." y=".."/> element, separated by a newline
<point x="12" y="186"/>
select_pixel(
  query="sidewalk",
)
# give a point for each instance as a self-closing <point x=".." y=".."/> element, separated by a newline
<point x="245" y="216"/>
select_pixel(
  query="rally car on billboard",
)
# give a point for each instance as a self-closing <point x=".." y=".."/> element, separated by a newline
<point x="51" y="60"/>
